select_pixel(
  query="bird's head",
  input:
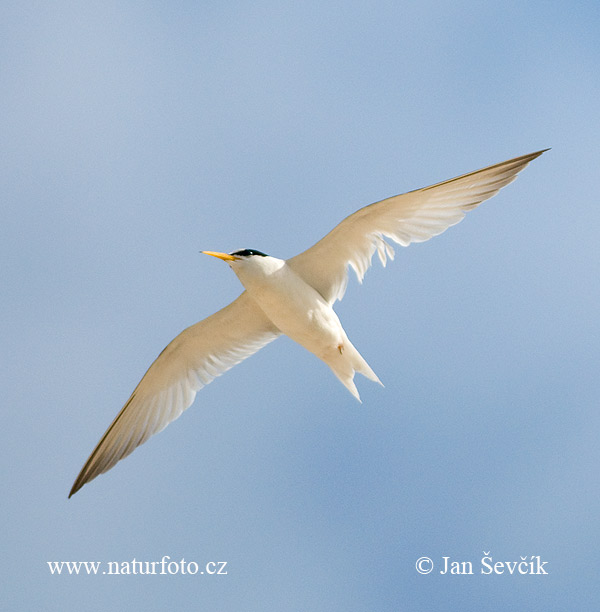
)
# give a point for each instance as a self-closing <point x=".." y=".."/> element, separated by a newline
<point x="250" y="265"/>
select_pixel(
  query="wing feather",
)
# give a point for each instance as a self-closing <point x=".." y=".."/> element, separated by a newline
<point x="415" y="216"/>
<point x="192" y="360"/>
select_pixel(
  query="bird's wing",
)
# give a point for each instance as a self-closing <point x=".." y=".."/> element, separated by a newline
<point x="192" y="360"/>
<point x="411" y="217"/>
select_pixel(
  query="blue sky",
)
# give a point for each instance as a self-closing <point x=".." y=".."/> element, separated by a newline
<point x="135" y="134"/>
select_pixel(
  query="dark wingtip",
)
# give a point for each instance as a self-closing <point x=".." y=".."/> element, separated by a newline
<point x="74" y="489"/>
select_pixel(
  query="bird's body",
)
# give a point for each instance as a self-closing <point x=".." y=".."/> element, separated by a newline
<point x="301" y="313"/>
<point x="294" y="297"/>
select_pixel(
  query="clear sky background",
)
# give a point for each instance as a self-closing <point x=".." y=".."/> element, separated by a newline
<point x="134" y="134"/>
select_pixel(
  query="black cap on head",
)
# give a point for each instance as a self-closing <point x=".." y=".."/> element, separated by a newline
<point x="248" y="253"/>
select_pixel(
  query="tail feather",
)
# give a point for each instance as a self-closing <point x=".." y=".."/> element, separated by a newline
<point x="346" y="363"/>
<point x="349" y="384"/>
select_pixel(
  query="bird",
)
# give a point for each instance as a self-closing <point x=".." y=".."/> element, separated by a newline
<point x="294" y="297"/>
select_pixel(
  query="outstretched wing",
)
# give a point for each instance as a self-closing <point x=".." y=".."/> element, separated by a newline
<point x="415" y="216"/>
<point x="192" y="360"/>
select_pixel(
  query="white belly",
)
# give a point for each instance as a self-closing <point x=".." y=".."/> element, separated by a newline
<point x="299" y="312"/>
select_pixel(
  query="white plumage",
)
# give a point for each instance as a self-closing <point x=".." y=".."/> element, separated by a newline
<point x="293" y="297"/>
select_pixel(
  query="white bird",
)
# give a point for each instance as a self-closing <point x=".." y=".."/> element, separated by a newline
<point x="293" y="297"/>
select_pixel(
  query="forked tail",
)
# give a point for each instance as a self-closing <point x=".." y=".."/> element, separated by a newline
<point x="345" y="362"/>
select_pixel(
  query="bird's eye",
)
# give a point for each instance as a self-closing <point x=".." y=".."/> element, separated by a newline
<point x="248" y="253"/>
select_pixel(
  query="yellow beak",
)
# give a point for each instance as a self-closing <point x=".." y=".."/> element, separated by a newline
<point x="223" y="256"/>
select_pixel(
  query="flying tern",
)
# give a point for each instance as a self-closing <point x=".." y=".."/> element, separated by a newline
<point x="294" y="297"/>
